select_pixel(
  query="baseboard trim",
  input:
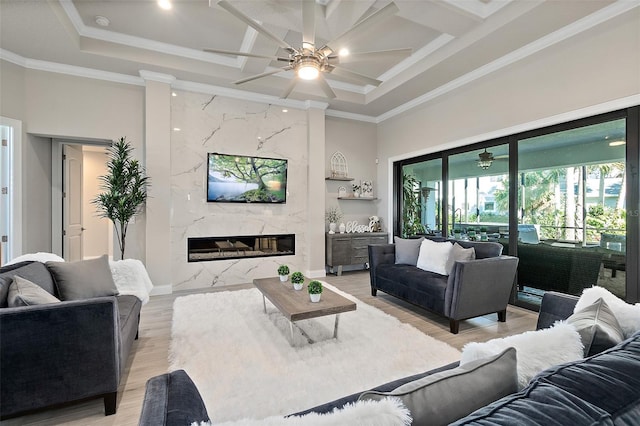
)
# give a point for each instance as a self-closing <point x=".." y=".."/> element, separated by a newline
<point x="161" y="289"/>
<point x="319" y="273"/>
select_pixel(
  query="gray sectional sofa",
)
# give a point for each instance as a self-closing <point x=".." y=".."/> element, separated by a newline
<point x="66" y="351"/>
<point x="603" y="389"/>
<point x="473" y="287"/>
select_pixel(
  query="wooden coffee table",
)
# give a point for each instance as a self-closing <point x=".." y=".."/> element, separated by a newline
<point x="296" y="306"/>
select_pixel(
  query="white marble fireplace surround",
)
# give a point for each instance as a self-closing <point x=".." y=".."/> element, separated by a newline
<point x="209" y="123"/>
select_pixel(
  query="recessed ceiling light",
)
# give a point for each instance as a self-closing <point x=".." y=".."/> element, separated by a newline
<point x="285" y="110"/>
<point x="174" y="94"/>
<point x="617" y="143"/>
<point x="165" y="4"/>
<point x="343" y="52"/>
<point x="176" y="129"/>
<point x="102" y="21"/>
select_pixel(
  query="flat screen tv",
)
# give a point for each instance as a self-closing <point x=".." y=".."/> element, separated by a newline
<point x="243" y="179"/>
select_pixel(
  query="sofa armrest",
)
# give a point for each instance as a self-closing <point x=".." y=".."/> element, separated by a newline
<point x="58" y="352"/>
<point x="481" y="286"/>
<point x="172" y="399"/>
<point x="380" y="254"/>
<point x="555" y="307"/>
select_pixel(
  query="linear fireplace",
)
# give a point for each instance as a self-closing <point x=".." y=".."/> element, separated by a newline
<point x="203" y="249"/>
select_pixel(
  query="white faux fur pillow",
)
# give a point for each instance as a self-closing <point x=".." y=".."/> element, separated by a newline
<point x="628" y="315"/>
<point x="386" y="412"/>
<point x="536" y="350"/>
<point x="433" y="256"/>
<point x="131" y="277"/>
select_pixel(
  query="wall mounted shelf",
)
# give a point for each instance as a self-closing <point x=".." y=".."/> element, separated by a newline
<point x="358" y="198"/>
<point x="338" y="178"/>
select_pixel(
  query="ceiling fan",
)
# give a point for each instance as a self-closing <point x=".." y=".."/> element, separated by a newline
<point x="309" y="62"/>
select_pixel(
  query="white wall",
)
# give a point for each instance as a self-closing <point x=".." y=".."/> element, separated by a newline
<point x="603" y="65"/>
<point x="358" y="142"/>
<point x="95" y="237"/>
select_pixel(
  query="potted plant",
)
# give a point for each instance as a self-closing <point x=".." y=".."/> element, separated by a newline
<point x="333" y="216"/>
<point x="125" y="190"/>
<point x="315" y="291"/>
<point x="297" y="279"/>
<point x="483" y="234"/>
<point x="283" y="272"/>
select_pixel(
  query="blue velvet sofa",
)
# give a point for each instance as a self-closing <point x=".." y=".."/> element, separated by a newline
<point x="62" y="352"/>
<point x="473" y="288"/>
<point x="603" y="389"/>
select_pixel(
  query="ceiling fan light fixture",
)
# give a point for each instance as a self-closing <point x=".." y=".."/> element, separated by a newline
<point x="308" y="69"/>
<point x="485" y="160"/>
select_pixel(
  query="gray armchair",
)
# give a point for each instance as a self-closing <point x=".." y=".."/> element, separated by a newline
<point x="473" y="288"/>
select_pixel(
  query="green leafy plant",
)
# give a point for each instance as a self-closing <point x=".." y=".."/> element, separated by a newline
<point x="297" y="278"/>
<point x="283" y="270"/>
<point x="314" y="287"/>
<point x="483" y="229"/>
<point x="411" y="210"/>
<point x="333" y="215"/>
<point x="125" y="190"/>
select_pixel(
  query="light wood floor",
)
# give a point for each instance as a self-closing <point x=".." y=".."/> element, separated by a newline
<point x="149" y="353"/>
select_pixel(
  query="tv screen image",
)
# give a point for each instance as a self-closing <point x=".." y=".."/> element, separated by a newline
<point x="244" y="179"/>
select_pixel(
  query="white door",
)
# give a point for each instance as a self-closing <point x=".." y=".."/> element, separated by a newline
<point x="11" y="189"/>
<point x="72" y="203"/>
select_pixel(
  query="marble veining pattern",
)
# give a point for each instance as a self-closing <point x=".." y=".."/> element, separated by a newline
<point x="217" y="124"/>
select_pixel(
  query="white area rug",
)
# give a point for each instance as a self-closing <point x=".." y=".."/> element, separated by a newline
<point x="241" y="360"/>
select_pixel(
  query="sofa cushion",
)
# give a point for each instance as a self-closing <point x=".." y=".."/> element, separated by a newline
<point x="459" y="254"/>
<point x="444" y="397"/>
<point x="83" y="279"/>
<point x="35" y="272"/>
<point x="433" y="256"/>
<point x="537" y="350"/>
<point x="484" y="249"/>
<point x="628" y="315"/>
<point x="598" y="327"/>
<point x="23" y="292"/>
<point x="407" y="250"/>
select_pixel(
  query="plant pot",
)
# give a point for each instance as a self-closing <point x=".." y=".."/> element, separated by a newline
<point x="284" y="278"/>
<point x="332" y="228"/>
<point x="315" y="298"/>
<point x="298" y="286"/>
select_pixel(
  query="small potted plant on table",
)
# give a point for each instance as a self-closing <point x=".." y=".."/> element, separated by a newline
<point x="297" y="279"/>
<point x="315" y="291"/>
<point x="483" y="234"/>
<point x="283" y="272"/>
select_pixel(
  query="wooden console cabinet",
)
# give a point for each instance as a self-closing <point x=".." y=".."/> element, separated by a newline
<point x="350" y="249"/>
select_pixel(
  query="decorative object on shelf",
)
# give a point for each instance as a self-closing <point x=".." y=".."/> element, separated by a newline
<point x="333" y="216"/>
<point x="339" y="167"/>
<point x="366" y="189"/>
<point x="374" y="224"/>
<point x="471" y="233"/>
<point x="342" y="192"/>
<point x="356" y="190"/>
<point x="297" y="278"/>
<point x="342" y="228"/>
<point x="352" y="227"/>
<point x="283" y="273"/>
<point x="125" y="190"/>
<point x="483" y="234"/>
<point x="315" y="290"/>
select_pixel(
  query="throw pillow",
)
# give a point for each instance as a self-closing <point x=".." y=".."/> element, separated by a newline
<point x="537" y="350"/>
<point x="131" y="277"/>
<point x="83" y="279"/>
<point x="387" y="412"/>
<point x="23" y="292"/>
<point x="433" y="256"/>
<point x="444" y="397"/>
<point x="598" y="327"/>
<point x="459" y="253"/>
<point x="628" y="315"/>
<point x="407" y="250"/>
<point x="40" y="256"/>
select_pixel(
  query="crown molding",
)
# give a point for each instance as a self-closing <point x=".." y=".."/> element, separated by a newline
<point x="549" y="40"/>
<point x="156" y="76"/>
<point x="351" y="116"/>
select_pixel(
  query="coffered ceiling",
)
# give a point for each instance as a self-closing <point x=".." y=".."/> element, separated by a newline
<point x="452" y="42"/>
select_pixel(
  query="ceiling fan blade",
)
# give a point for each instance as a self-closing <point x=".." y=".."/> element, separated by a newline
<point x="369" y="21"/>
<point x="264" y="74"/>
<point x="341" y="72"/>
<point x="308" y="23"/>
<point x="249" y="21"/>
<point x="250" y="55"/>
<point x="380" y="54"/>
<point x="289" y="88"/>
<point x="328" y="91"/>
